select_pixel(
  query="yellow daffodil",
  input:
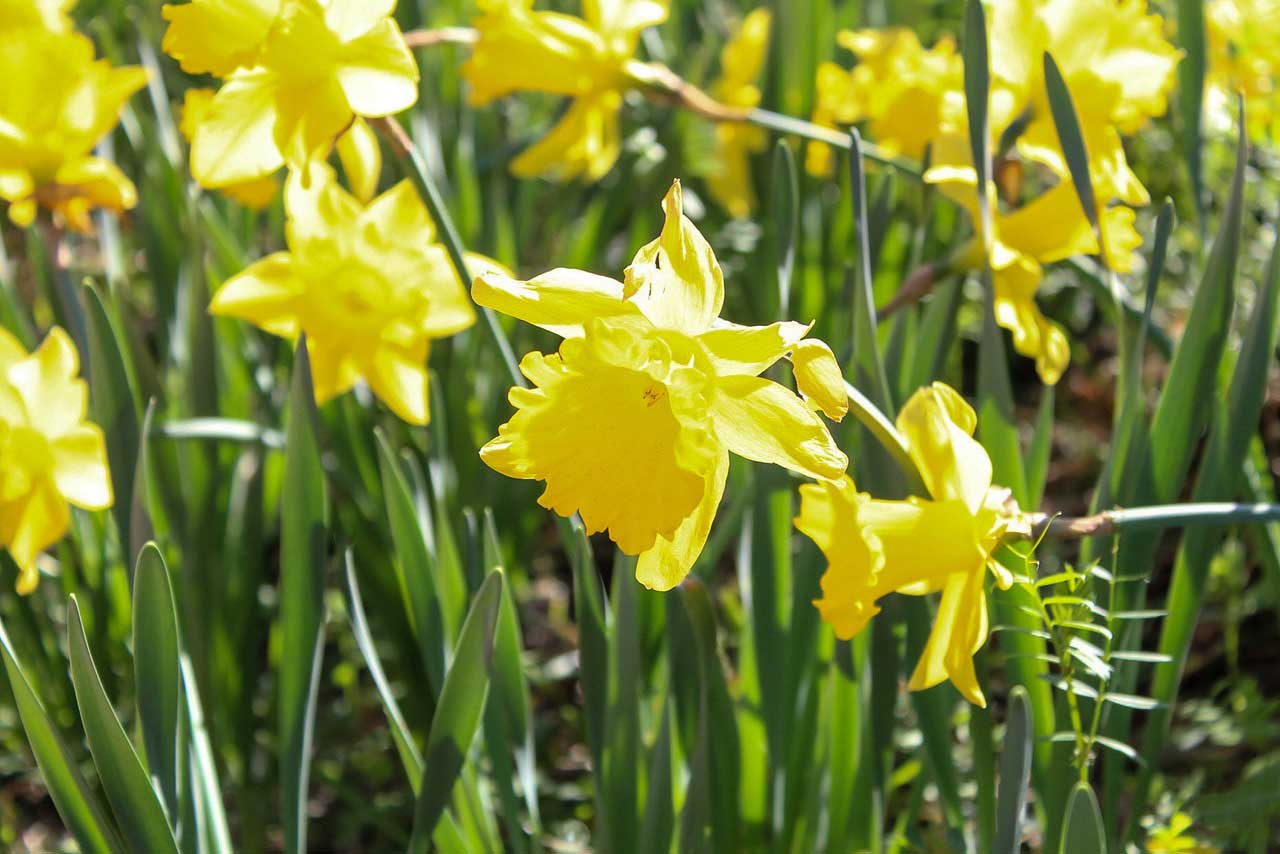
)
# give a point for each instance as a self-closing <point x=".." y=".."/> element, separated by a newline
<point x="945" y="542"/>
<point x="905" y="93"/>
<point x="295" y="74"/>
<point x="1244" y="58"/>
<point x="522" y="50"/>
<point x="52" y="15"/>
<point x="366" y="284"/>
<point x="631" y="422"/>
<point x="741" y="62"/>
<point x="55" y="104"/>
<point x="1051" y="227"/>
<point x="49" y="455"/>
<point x="1176" y="838"/>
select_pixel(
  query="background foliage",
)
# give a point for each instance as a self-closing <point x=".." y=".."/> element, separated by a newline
<point x="302" y="661"/>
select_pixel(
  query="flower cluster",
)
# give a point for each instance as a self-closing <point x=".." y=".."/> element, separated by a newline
<point x="1119" y="69"/>
<point x="50" y="457"/>
<point x="56" y="103"/>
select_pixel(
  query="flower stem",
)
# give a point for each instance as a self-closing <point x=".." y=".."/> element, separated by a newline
<point x="409" y="154"/>
<point x="808" y="130"/>
<point x="1151" y="518"/>
<point x="879" y="425"/>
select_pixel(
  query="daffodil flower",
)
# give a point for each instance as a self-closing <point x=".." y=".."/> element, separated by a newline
<point x="296" y="73"/>
<point x="1244" y="59"/>
<point x="56" y="103"/>
<point x="904" y="92"/>
<point x="631" y="422"/>
<point x="522" y="50"/>
<point x="741" y="62"/>
<point x="367" y="285"/>
<point x="51" y="15"/>
<point x="50" y="456"/>
<point x="943" y="542"/>
<point x="1051" y="227"/>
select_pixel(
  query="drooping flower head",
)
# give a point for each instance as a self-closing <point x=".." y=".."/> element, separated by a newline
<point x="56" y="103"/>
<point x="50" y="456"/>
<point x="943" y="542"/>
<point x="631" y="422"/>
<point x="741" y="62"/>
<point x="522" y="50"/>
<point x="904" y="92"/>
<point x="367" y="284"/>
<point x="295" y="74"/>
<point x="1244" y="59"/>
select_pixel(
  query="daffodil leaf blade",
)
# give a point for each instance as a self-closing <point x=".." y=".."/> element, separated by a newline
<point x="1082" y="829"/>
<point x="158" y="672"/>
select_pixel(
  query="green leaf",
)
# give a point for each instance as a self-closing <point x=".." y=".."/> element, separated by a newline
<point x="114" y="409"/>
<point x="620" y="763"/>
<point x="977" y="88"/>
<point x="1074" y="150"/>
<point x="462" y="699"/>
<point x="1015" y="774"/>
<point x="303" y="554"/>
<point x="1082" y="831"/>
<point x="158" y="673"/>
<point x="407" y="749"/>
<point x="1191" y="75"/>
<point x="1041" y="448"/>
<point x="1180" y="414"/>
<point x="659" y="814"/>
<point x="593" y="643"/>
<point x="871" y="369"/>
<point x="76" y="803"/>
<point x="125" y="781"/>
<point x="414" y="567"/>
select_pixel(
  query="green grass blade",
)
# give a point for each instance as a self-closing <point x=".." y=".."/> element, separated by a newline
<point x="1041" y="448"/>
<point x="133" y="800"/>
<point x="458" y="713"/>
<point x="866" y="349"/>
<point x="204" y="769"/>
<point x="659" y="812"/>
<point x="977" y="88"/>
<point x="1082" y="830"/>
<point x="785" y="199"/>
<point x="410" y="756"/>
<point x="593" y="643"/>
<point x="77" y="805"/>
<point x="115" y="410"/>
<point x="158" y="672"/>
<point x="1015" y="774"/>
<point x="620" y="763"/>
<point x="303" y="548"/>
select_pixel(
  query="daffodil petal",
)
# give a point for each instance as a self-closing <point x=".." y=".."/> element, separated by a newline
<point x="399" y="379"/>
<point x="236" y="141"/>
<point x="217" y="36"/>
<point x="263" y="294"/>
<point x="938" y="426"/>
<point x="676" y="279"/>
<point x="55" y="399"/>
<point x="361" y="159"/>
<point x="669" y="560"/>
<point x="38" y="522"/>
<point x="750" y="350"/>
<point x="350" y="19"/>
<point x="561" y="301"/>
<point x="762" y="421"/>
<point x="377" y="73"/>
<point x="959" y="630"/>
<point x="309" y="119"/>
<point x="80" y="467"/>
<point x="585" y="142"/>
<point x="819" y="378"/>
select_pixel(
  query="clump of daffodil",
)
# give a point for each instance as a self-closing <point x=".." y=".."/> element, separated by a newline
<point x="903" y="91"/>
<point x="920" y="545"/>
<point x="295" y="75"/>
<point x="50" y="456"/>
<point x="741" y="62"/>
<point x="631" y="422"/>
<point x="1244" y="59"/>
<point x="56" y="103"/>
<point x="586" y="59"/>
<point x="366" y="284"/>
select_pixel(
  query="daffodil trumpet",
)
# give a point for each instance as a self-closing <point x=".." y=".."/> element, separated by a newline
<point x="631" y="421"/>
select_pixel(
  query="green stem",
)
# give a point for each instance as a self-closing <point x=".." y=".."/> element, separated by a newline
<point x="808" y="130"/>
<point x="1156" y="517"/>
<point x="870" y="416"/>
<point x="421" y="175"/>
